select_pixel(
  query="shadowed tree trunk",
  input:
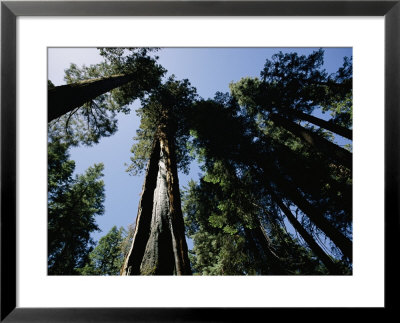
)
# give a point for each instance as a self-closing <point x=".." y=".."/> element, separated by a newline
<point x="143" y="220"/>
<point x="261" y="245"/>
<point x="328" y="125"/>
<point x="310" y="176"/>
<point x="326" y="260"/>
<point x="288" y="189"/>
<point x="62" y="99"/>
<point x="158" y="258"/>
<point x="315" y="215"/>
<point x="336" y="153"/>
<point x="177" y="226"/>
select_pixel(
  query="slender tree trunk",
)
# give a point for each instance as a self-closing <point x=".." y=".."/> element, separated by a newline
<point x="336" y="153"/>
<point x="64" y="98"/>
<point x="258" y="237"/>
<point x="328" y="125"/>
<point x="315" y="215"/>
<point x="327" y="261"/>
<point x="305" y="176"/>
<point x="271" y="173"/>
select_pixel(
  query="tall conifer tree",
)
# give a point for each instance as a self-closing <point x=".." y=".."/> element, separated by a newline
<point x="159" y="245"/>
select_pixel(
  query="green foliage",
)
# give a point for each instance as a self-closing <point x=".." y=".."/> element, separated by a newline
<point x="50" y="85"/>
<point x="342" y="111"/>
<point x="137" y="61"/>
<point x="247" y="91"/>
<point x="108" y="256"/>
<point x="257" y="161"/>
<point x="234" y="248"/>
<point x="339" y="100"/>
<point x="249" y="162"/>
<point x="73" y="203"/>
<point x="298" y="83"/>
<point x="97" y="119"/>
<point x="290" y="82"/>
<point x="169" y="104"/>
<point x="219" y="254"/>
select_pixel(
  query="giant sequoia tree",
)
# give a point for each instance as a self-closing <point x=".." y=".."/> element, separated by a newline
<point x="268" y="158"/>
<point x="82" y="112"/>
<point x="159" y="246"/>
<point x="165" y="252"/>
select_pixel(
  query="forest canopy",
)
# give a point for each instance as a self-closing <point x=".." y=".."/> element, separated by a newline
<point x="274" y="192"/>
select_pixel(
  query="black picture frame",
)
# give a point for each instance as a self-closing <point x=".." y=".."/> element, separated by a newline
<point x="10" y="10"/>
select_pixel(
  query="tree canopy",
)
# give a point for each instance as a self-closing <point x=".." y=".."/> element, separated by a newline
<point x="130" y="72"/>
<point x="275" y="193"/>
<point x="171" y="100"/>
<point x="264" y="173"/>
<point x="107" y="257"/>
<point x="73" y="203"/>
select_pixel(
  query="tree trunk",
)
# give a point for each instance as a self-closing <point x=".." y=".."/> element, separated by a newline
<point x="336" y="153"/>
<point x="180" y="249"/>
<point x="159" y="245"/>
<point x="328" y="125"/>
<point x="327" y="261"/>
<point x="159" y="258"/>
<point x="64" y="98"/>
<point x="142" y="229"/>
<point x="260" y="240"/>
<point x="272" y="174"/>
<point x="307" y="178"/>
<point x="317" y="217"/>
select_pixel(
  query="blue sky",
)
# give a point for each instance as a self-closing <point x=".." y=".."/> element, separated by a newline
<point x="208" y="69"/>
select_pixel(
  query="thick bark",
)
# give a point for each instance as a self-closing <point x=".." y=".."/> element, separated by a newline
<point x="342" y="131"/>
<point x="336" y="153"/>
<point x="158" y="258"/>
<point x="159" y="245"/>
<point x="142" y="230"/>
<point x="327" y="261"/>
<point x="64" y="98"/>
<point x="177" y="227"/>
<point x="317" y="217"/>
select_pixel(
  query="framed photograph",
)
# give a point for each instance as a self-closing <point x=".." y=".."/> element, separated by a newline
<point x="37" y="35"/>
